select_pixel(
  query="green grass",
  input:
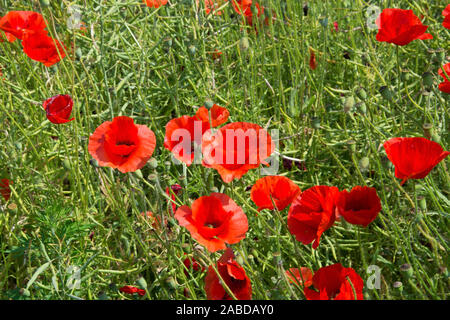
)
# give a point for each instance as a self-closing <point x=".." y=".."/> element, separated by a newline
<point x="154" y="65"/>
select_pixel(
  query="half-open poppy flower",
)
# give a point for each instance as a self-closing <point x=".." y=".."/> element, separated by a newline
<point x="312" y="59"/>
<point x="446" y="14"/>
<point x="400" y="27"/>
<point x="155" y="3"/>
<point x="181" y="136"/>
<point x="5" y="190"/>
<point x="359" y="206"/>
<point x="274" y="189"/>
<point x="17" y="24"/>
<point x="59" y="108"/>
<point x="413" y="158"/>
<point x="236" y="148"/>
<point x="219" y="115"/>
<point x="213" y="221"/>
<point x="312" y="213"/>
<point x="192" y="265"/>
<point x="302" y="277"/>
<point x="336" y="283"/>
<point x="234" y="277"/>
<point x="42" y="48"/>
<point x="445" y="86"/>
<point x="122" y="144"/>
<point x="132" y="290"/>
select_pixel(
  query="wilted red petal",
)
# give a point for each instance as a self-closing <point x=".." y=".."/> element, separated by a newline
<point x="312" y="59"/>
<point x="305" y="276"/>
<point x="5" y="190"/>
<point x="132" y="290"/>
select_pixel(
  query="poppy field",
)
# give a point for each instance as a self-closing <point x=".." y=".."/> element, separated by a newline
<point x="224" y="149"/>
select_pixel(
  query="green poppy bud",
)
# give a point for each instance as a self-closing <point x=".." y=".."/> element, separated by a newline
<point x="142" y="283"/>
<point x="386" y="93"/>
<point x="349" y="104"/>
<point x="364" y="163"/>
<point x="153" y="163"/>
<point x="362" y="107"/>
<point x="244" y="44"/>
<point x="361" y="93"/>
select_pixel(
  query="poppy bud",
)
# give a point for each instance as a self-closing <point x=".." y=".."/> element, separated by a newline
<point x="244" y="44"/>
<point x="240" y="260"/>
<point x="427" y="79"/>
<point x="209" y="104"/>
<point x="24" y="292"/>
<point x="93" y="163"/>
<point x="316" y="122"/>
<point x="45" y="3"/>
<point x="142" y="283"/>
<point x="66" y="164"/>
<point x="406" y="270"/>
<point x="214" y="189"/>
<point x="153" y="163"/>
<point x="364" y="163"/>
<point x="386" y="93"/>
<point x="139" y="174"/>
<point x="427" y="130"/>
<point x="305" y="9"/>
<point x="192" y="49"/>
<point x="362" y="107"/>
<point x="423" y="204"/>
<point x="349" y="103"/>
<point x="361" y="93"/>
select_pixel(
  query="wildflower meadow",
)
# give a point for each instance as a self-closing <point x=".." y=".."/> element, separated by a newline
<point x="224" y="150"/>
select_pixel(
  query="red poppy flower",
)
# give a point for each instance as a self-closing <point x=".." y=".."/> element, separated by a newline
<point x="312" y="59"/>
<point x="244" y="7"/>
<point x="336" y="26"/>
<point x="176" y="189"/>
<point x="413" y="158"/>
<point x="274" y="189"/>
<point x="5" y="190"/>
<point x="17" y="24"/>
<point x="359" y="206"/>
<point x="59" y="108"/>
<point x="446" y="14"/>
<point x="155" y="3"/>
<point x="132" y="290"/>
<point x="181" y="134"/>
<point x="122" y="144"/>
<point x="219" y="115"/>
<point x="445" y="86"/>
<point x="336" y="283"/>
<point x="213" y="221"/>
<point x="400" y="27"/>
<point x="236" y="148"/>
<point x="212" y="6"/>
<point x="42" y="48"/>
<point x="305" y="277"/>
<point x="191" y="264"/>
<point x="234" y="277"/>
<point x="312" y="213"/>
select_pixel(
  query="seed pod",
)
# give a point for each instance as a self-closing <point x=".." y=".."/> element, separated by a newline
<point x="423" y="204"/>
<point x="406" y="270"/>
<point x="362" y="107"/>
<point x="427" y="130"/>
<point x="244" y="44"/>
<point x="209" y="104"/>
<point x="364" y="164"/>
<point x="152" y="177"/>
<point x="398" y="285"/>
<point x="349" y="104"/>
<point x="361" y="93"/>
<point x="153" y="163"/>
<point x="142" y="283"/>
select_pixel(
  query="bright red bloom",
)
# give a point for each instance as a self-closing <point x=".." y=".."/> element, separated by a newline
<point x="5" y="190"/>
<point x="413" y="158"/>
<point x="312" y="59"/>
<point x="213" y="221"/>
<point x="59" y="108"/>
<point x="236" y="148"/>
<point x="122" y="144"/>
<point x="181" y="134"/>
<point x="132" y="290"/>
<point x="305" y="277"/>
<point x="234" y="277"/>
<point x="191" y="264"/>
<point x="312" y="213"/>
<point x="244" y="7"/>
<point x="274" y="189"/>
<point x="17" y="24"/>
<point x="446" y="14"/>
<point x="219" y="115"/>
<point x="42" y="48"/>
<point x="400" y="27"/>
<point x="336" y="26"/>
<point x="212" y="6"/>
<point x="359" y="206"/>
<point x="336" y="283"/>
<point x="445" y="86"/>
<point x="155" y="3"/>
